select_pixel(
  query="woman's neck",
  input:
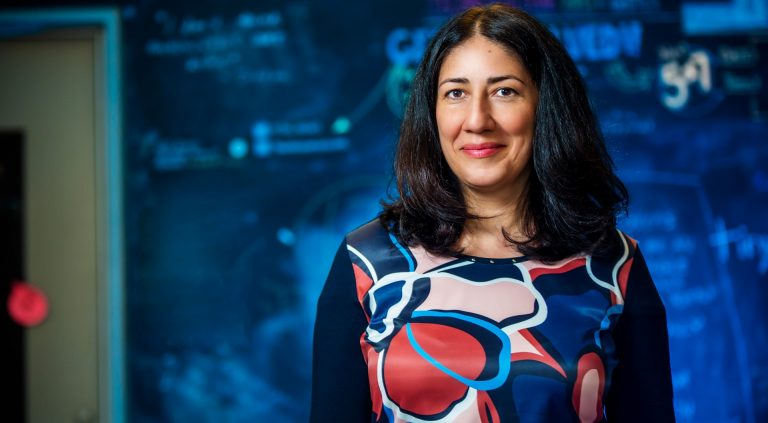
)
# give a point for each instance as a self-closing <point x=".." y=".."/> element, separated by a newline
<point x="484" y="236"/>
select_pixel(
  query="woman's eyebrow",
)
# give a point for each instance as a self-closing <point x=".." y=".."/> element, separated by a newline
<point x="491" y="80"/>
<point x="455" y="80"/>
<point x="495" y="79"/>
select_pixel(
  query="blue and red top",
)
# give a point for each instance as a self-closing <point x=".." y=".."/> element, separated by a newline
<point x="403" y="335"/>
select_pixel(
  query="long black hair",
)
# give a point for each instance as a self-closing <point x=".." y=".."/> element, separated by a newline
<point x="573" y="195"/>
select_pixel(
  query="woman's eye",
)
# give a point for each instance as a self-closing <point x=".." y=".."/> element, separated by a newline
<point x="506" y="92"/>
<point x="454" y="94"/>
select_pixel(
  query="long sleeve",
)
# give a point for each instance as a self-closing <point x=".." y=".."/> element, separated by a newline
<point x="641" y="385"/>
<point x="340" y="391"/>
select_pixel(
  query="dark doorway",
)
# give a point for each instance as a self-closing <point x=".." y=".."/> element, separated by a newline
<point x="11" y="269"/>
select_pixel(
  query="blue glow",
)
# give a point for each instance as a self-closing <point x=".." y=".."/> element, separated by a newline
<point x="286" y="236"/>
<point x="341" y="125"/>
<point x="724" y="18"/>
<point x="261" y="129"/>
<point x="238" y="148"/>
<point x="601" y="41"/>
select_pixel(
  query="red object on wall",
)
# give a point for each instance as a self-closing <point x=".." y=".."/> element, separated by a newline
<point x="27" y="304"/>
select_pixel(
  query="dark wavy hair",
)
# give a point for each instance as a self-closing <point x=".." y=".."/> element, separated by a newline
<point x="573" y="195"/>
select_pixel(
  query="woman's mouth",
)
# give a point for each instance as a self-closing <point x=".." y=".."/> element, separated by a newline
<point x="480" y="151"/>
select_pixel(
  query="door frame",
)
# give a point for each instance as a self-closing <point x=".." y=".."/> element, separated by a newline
<point x="105" y="32"/>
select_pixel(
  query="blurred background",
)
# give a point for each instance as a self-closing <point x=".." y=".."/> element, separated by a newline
<point x="176" y="176"/>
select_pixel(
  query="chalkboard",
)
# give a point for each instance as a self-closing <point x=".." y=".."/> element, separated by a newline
<point x="258" y="133"/>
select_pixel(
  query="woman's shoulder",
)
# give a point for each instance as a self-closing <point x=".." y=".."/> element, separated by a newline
<point x="372" y="231"/>
<point x="626" y="239"/>
<point x="374" y="246"/>
<point x="622" y="242"/>
<point x="618" y="247"/>
<point x="371" y="238"/>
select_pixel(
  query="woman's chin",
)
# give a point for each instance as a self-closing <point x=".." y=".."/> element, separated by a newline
<point x="492" y="184"/>
<point x="485" y="185"/>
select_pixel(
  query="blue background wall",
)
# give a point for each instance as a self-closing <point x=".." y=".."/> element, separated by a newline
<point x="258" y="132"/>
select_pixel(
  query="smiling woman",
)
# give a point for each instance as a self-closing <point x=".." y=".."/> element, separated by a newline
<point x="571" y="196"/>
<point x="485" y="113"/>
<point x="496" y="288"/>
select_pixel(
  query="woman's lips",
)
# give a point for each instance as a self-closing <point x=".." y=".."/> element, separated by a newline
<point x="479" y="151"/>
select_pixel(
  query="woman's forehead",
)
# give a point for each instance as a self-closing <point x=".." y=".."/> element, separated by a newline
<point x="479" y="55"/>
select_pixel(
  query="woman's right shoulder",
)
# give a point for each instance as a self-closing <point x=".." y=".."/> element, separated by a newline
<point x="372" y="231"/>
<point x="373" y="247"/>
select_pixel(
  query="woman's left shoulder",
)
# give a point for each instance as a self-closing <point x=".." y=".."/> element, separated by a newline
<point x="618" y="245"/>
<point x="626" y="239"/>
<point x="617" y="260"/>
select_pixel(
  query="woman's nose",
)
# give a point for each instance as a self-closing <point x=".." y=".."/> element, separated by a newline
<point x="479" y="119"/>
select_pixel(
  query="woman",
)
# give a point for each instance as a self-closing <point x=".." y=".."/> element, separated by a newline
<point x="496" y="288"/>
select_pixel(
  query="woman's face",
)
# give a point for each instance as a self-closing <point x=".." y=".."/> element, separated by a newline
<point x="485" y="112"/>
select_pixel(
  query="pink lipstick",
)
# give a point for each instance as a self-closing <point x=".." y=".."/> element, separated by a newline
<point x="480" y="151"/>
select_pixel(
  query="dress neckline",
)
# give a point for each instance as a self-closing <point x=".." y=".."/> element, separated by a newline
<point x="487" y="260"/>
